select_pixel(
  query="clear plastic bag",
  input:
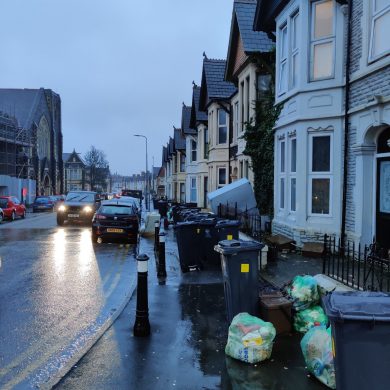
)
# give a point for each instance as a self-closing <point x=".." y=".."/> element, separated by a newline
<point x="250" y="339"/>
<point x="316" y="347"/>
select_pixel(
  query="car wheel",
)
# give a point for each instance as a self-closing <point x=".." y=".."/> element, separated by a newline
<point x="94" y="237"/>
<point x="13" y="216"/>
<point x="60" y="221"/>
<point x="24" y="214"/>
<point x="1" y="218"/>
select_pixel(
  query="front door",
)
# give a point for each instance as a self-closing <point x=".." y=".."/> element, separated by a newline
<point x="383" y="203"/>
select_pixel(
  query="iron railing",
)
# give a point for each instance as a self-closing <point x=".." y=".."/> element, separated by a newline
<point x="251" y="221"/>
<point x="364" y="268"/>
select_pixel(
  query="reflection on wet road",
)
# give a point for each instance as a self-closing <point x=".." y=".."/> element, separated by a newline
<point x="56" y="288"/>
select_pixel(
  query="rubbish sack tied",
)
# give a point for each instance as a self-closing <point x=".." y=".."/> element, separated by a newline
<point x="316" y="347"/>
<point x="307" y="319"/>
<point x="250" y="339"/>
<point x="303" y="290"/>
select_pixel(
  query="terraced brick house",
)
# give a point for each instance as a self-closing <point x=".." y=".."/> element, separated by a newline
<point x="332" y="154"/>
<point x="215" y="95"/>
<point x="247" y="48"/>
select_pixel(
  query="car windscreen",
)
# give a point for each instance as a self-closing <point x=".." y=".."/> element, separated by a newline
<point x="117" y="210"/>
<point x="42" y="200"/>
<point x="79" y="197"/>
<point x="3" y="203"/>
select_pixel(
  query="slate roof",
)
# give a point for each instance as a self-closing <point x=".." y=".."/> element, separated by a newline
<point x="253" y="41"/>
<point x="164" y="156"/>
<point x="171" y="147"/>
<point x="185" y="120"/>
<point x="180" y="141"/>
<point x="20" y="103"/>
<point x="214" y="87"/>
<point x="156" y="170"/>
<point x="65" y="157"/>
<point x="196" y="114"/>
<point x="266" y="11"/>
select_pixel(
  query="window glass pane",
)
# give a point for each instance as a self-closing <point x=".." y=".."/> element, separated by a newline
<point x="263" y="82"/>
<point x="222" y="176"/>
<point x="221" y="117"/>
<point x="293" y="194"/>
<point x="323" y="19"/>
<point x="282" y="193"/>
<point x="283" y="77"/>
<point x="293" y="155"/>
<point x="320" y="196"/>
<point x="323" y="60"/>
<point x="282" y="157"/>
<point x="283" y="49"/>
<point x="294" y="70"/>
<point x="381" y="42"/>
<point x="295" y="24"/>
<point x="381" y="5"/>
<point x="222" y="135"/>
<point x="321" y="154"/>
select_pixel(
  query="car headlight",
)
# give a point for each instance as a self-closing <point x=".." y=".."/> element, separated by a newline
<point x="87" y="209"/>
<point x="62" y="208"/>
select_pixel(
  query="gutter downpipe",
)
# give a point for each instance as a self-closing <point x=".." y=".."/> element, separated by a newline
<point x="346" y="124"/>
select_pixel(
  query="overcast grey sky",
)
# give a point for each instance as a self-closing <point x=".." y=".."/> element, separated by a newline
<point x="121" y="66"/>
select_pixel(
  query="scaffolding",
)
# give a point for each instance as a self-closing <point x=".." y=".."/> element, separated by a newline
<point x="15" y="149"/>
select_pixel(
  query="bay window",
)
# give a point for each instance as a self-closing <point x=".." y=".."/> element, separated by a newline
<point x="206" y="143"/>
<point x="320" y="180"/>
<point x="236" y="119"/>
<point x="193" y="150"/>
<point x="222" y="126"/>
<point x="193" y="189"/>
<point x="322" y="39"/>
<point x="282" y="174"/>
<point x="288" y="56"/>
<point x="293" y="173"/>
<point x="221" y="177"/>
<point x="380" y="29"/>
<point x="182" y="162"/>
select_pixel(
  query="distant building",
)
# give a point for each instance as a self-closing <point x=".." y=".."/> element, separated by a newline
<point x="38" y="135"/>
<point x="74" y="172"/>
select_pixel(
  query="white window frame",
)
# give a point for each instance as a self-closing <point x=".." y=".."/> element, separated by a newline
<point x="283" y="87"/>
<point x="294" y="50"/>
<point x="219" y="126"/>
<point x="193" y="189"/>
<point x="194" y="150"/>
<point x="236" y="119"/>
<point x="320" y="175"/>
<point x="282" y="174"/>
<point x="247" y="98"/>
<point x="220" y="185"/>
<point x="375" y="15"/>
<point x="318" y="41"/>
<point x="292" y="174"/>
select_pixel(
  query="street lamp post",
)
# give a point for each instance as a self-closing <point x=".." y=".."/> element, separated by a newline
<point x="146" y="171"/>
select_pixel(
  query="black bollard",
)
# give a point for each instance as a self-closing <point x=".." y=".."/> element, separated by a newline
<point x="161" y="271"/>
<point x="156" y="233"/>
<point x="141" y="325"/>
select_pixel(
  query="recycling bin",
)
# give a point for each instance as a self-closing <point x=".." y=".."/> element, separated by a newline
<point x="189" y="245"/>
<point x="240" y="276"/>
<point x="360" y="338"/>
<point x="227" y="229"/>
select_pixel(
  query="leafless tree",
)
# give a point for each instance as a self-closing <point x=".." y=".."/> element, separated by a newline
<point x="97" y="166"/>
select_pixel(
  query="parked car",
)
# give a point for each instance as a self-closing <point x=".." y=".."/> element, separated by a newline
<point x="116" y="221"/>
<point x="1" y="215"/>
<point x="43" y="203"/>
<point x="12" y="207"/>
<point x="78" y="207"/>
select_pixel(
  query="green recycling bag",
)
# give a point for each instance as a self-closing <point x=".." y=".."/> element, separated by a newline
<point x="304" y="292"/>
<point x="306" y="319"/>
<point x="250" y="339"/>
<point x="316" y="347"/>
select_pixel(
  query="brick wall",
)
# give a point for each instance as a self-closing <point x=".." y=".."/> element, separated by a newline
<point x="351" y="181"/>
<point x="357" y="35"/>
<point x="240" y="55"/>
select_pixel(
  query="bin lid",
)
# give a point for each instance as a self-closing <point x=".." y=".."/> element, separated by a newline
<point x="207" y="222"/>
<point x="357" y="305"/>
<point x="185" y="224"/>
<point x="274" y="302"/>
<point x="228" y="247"/>
<point x="227" y="223"/>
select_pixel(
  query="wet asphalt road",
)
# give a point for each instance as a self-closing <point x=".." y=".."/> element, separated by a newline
<point x="56" y="291"/>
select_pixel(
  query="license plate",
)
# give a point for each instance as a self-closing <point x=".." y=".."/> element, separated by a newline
<point x="73" y="215"/>
<point x="112" y="230"/>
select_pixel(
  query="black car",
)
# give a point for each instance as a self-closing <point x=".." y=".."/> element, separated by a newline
<point x="116" y="221"/>
<point x="78" y="207"/>
<point x="43" y="203"/>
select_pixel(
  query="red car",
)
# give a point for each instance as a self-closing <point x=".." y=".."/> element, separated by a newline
<point x="12" y="207"/>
